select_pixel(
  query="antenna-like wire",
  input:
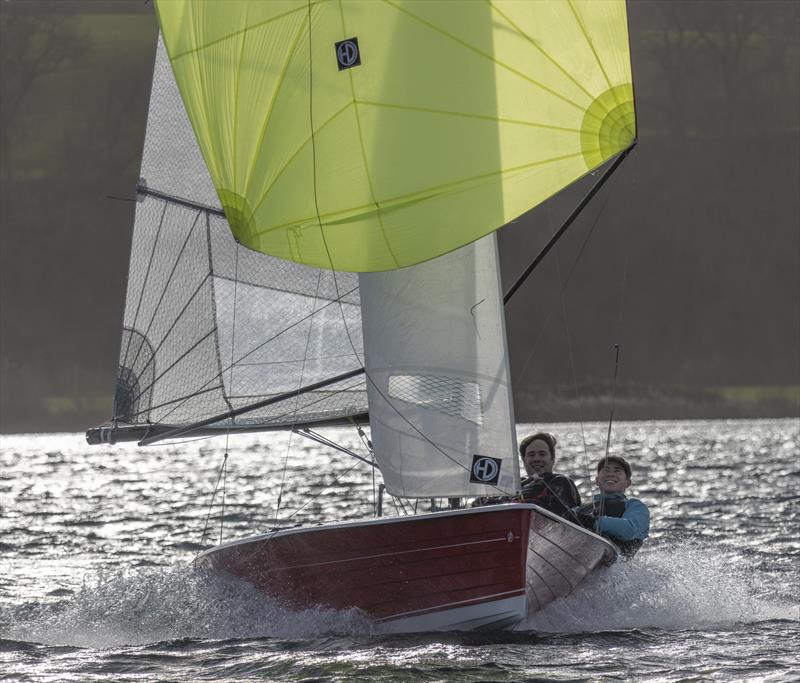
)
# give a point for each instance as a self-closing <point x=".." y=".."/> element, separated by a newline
<point x="610" y="417"/>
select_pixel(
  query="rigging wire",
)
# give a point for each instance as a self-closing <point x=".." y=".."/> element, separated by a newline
<point x="399" y="501"/>
<point x="144" y="283"/>
<point x="325" y="441"/>
<point x="224" y="482"/>
<point x="272" y="532"/>
<point x="368" y="445"/>
<point x="161" y="444"/>
<point x="211" y="504"/>
<point x="232" y="364"/>
<point x="610" y="417"/>
<point x="572" y="367"/>
<point x="297" y="398"/>
<point x="274" y="420"/>
<point x="164" y="289"/>
<point x="319" y="493"/>
<point x="613" y="398"/>
<point x="562" y="290"/>
<point x="572" y="269"/>
<point x="374" y="488"/>
<point x="308" y="433"/>
<point x="230" y="383"/>
<point x="620" y="314"/>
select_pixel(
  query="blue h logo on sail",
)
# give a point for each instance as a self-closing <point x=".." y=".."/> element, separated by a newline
<point x="485" y="470"/>
<point x="347" y="53"/>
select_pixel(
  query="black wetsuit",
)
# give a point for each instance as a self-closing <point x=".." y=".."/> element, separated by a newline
<point x="553" y="492"/>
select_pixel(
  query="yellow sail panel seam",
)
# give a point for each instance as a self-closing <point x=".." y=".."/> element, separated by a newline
<point x="364" y="155"/>
<point x="228" y="36"/>
<point x="551" y="59"/>
<point x="487" y="56"/>
<point x="193" y="112"/>
<point x="630" y="71"/>
<point x="485" y="117"/>
<point x="292" y="158"/>
<point x="591" y="45"/>
<point x="414" y="197"/>
<point x="263" y="132"/>
<point x="235" y="147"/>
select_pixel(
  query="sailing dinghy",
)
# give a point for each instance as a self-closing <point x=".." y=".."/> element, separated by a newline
<point x="314" y="243"/>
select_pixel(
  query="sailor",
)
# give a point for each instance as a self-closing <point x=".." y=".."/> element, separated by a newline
<point x="625" y="521"/>
<point x="553" y="492"/>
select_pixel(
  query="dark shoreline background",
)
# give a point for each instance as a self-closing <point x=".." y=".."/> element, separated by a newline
<point x="689" y="259"/>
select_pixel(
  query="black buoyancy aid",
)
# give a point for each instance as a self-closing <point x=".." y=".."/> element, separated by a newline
<point x="544" y="492"/>
<point x="612" y="507"/>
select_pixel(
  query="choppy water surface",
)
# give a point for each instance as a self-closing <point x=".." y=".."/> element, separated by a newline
<point x="96" y="581"/>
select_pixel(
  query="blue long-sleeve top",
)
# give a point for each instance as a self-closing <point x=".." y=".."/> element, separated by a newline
<point x="634" y="523"/>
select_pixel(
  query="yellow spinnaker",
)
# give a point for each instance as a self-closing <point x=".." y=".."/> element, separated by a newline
<point x="460" y="116"/>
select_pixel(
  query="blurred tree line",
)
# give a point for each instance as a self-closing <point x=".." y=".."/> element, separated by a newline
<point x="74" y="84"/>
<point x="689" y="258"/>
<point x="694" y="265"/>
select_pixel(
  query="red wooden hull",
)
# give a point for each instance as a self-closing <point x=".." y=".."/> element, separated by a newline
<point x="485" y="566"/>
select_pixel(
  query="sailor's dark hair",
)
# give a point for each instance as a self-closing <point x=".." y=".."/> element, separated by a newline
<point x="549" y="439"/>
<point x="617" y="460"/>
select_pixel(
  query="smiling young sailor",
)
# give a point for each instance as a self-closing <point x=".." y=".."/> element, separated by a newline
<point x="625" y="521"/>
<point x="542" y="486"/>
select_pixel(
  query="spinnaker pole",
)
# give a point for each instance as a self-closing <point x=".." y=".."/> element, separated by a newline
<point x="551" y="243"/>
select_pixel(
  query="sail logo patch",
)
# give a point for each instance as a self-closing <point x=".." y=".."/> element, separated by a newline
<point x="485" y="470"/>
<point x="347" y="53"/>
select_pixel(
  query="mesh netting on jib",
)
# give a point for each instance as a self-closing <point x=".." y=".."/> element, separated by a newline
<point x="210" y="326"/>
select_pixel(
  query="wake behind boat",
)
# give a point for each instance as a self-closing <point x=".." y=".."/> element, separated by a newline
<point x="314" y="243"/>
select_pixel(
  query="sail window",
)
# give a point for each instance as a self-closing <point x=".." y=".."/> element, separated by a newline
<point x="449" y="395"/>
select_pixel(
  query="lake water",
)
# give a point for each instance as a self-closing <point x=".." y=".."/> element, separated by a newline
<point x="96" y="580"/>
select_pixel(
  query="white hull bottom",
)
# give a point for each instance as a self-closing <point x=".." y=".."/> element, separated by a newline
<point x="497" y="614"/>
